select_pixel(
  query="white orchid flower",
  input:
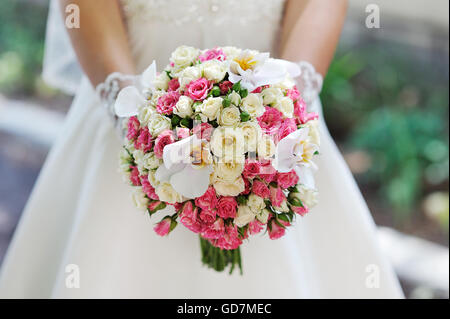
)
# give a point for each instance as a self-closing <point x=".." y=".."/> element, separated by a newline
<point x="130" y="98"/>
<point x="187" y="167"/>
<point x="295" y="152"/>
<point x="257" y="69"/>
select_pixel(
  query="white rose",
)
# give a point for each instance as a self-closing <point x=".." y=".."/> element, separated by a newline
<point x="228" y="171"/>
<point x="256" y="203"/>
<point x="244" y="216"/>
<point x="286" y="106"/>
<point x="252" y="134"/>
<point x="211" y="107"/>
<point x="162" y="81"/>
<point x="308" y="196"/>
<point x="271" y="95"/>
<point x="283" y="208"/>
<point x="152" y="179"/>
<point x="227" y="188"/>
<point x="139" y="198"/>
<point x="266" y="147"/>
<point x="263" y="216"/>
<point x="228" y="144"/>
<point x="183" y="108"/>
<point x="214" y="70"/>
<point x="231" y="52"/>
<point x="253" y="105"/>
<point x="188" y="75"/>
<point x="235" y="98"/>
<point x="150" y="161"/>
<point x="314" y="132"/>
<point x="166" y="193"/>
<point x="183" y="56"/>
<point x="155" y="97"/>
<point x="230" y="116"/>
<point x="158" y="123"/>
<point x="287" y="84"/>
<point x="139" y="159"/>
<point x="144" y="114"/>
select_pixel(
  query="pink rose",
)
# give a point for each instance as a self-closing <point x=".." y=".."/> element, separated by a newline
<point x="277" y="228"/>
<point x="147" y="188"/>
<point x="259" y="188"/>
<point x="255" y="227"/>
<point x="173" y="85"/>
<point x="164" y="138"/>
<point x="225" y="87"/>
<point x="207" y="216"/>
<point x="293" y="93"/>
<point x="155" y="205"/>
<point x="144" y="141"/>
<point x="302" y="211"/>
<point x="286" y="180"/>
<point x="258" y="90"/>
<point x="252" y="168"/>
<point x="167" y="102"/>
<point x="133" y="128"/>
<point x="134" y="176"/>
<point x="270" y="121"/>
<point x="301" y="114"/>
<point x="267" y="172"/>
<point x="287" y="127"/>
<point x="203" y="131"/>
<point x="163" y="227"/>
<point x="198" y="89"/>
<point x="182" y="132"/>
<point x="248" y="186"/>
<point x="226" y="207"/>
<point x="208" y="200"/>
<point x="277" y="196"/>
<point x="230" y="239"/>
<point x="212" y="54"/>
<point x="215" y="230"/>
<point x="189" y="218"/>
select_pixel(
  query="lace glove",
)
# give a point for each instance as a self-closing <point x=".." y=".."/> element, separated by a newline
<point x="107" y="93"/>
<point x="309" y="82"/>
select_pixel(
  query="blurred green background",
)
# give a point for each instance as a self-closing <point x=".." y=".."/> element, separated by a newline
<point x="385" y="101"/>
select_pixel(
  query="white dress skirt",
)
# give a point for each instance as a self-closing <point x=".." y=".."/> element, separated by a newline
<point x="80" y="219"/>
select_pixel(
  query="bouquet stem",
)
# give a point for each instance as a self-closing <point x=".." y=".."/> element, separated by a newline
<point x="219" y="259"/>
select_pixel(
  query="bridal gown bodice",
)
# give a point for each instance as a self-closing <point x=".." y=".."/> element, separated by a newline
<point x="80" y="213"/>
<point x="157" y="27"/>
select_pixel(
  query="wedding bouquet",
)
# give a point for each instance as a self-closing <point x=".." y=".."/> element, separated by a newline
<point x="223" y="136"/>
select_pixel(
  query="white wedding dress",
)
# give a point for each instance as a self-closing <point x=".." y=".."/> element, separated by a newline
<point x="80" y="212"/>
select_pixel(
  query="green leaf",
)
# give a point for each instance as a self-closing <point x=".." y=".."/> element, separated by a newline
<point x="245" y="116"/>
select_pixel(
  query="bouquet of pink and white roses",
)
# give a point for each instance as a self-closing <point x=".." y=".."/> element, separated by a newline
<point x="223" y="136"/>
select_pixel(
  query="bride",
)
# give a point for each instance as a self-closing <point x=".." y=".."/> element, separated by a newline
<point x="80" y="235"/>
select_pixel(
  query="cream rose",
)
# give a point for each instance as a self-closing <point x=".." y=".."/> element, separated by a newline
<point x="229" y="188"/>
<point x="283" y="208"/>
<point x="256" y="203"/>
<point x="266" y="147"/>
<point x="231" y="52"/>
<point x="144" y="114"/>
<point x="252" y="134"/>
<point x="139" y="198"/>
<point x="162" y="81"/>
<point x="263" y="216"/>
<point x="188" y="75"/>
<point x="285" y="106"/>
<point x="183" y="56"/>
<point x="139" y="159"/>
<point x="150" y="161"/>
<point x="230" y="116"/>
<point x="228" y="171"/>
<point x="244" y="216"/>
<point x="228" y="144"/>
<point x="152" y="179"/>
<point x="183" y="108"/>
<point x="158" y="123"/>
<point x="308" y="196"/>
<point x="166" y="193"/>
<point x="271" y="95"/>
<point x="235" y="98"/>
<point x="314" y="132"/>
<point x="253" y="105"/>
<point x="211" y="107"/>
<point x="287" y="84"/>
<point x="214" y="70"/>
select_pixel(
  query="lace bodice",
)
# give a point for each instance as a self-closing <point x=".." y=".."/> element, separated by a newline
<point x="157" y="27"/>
